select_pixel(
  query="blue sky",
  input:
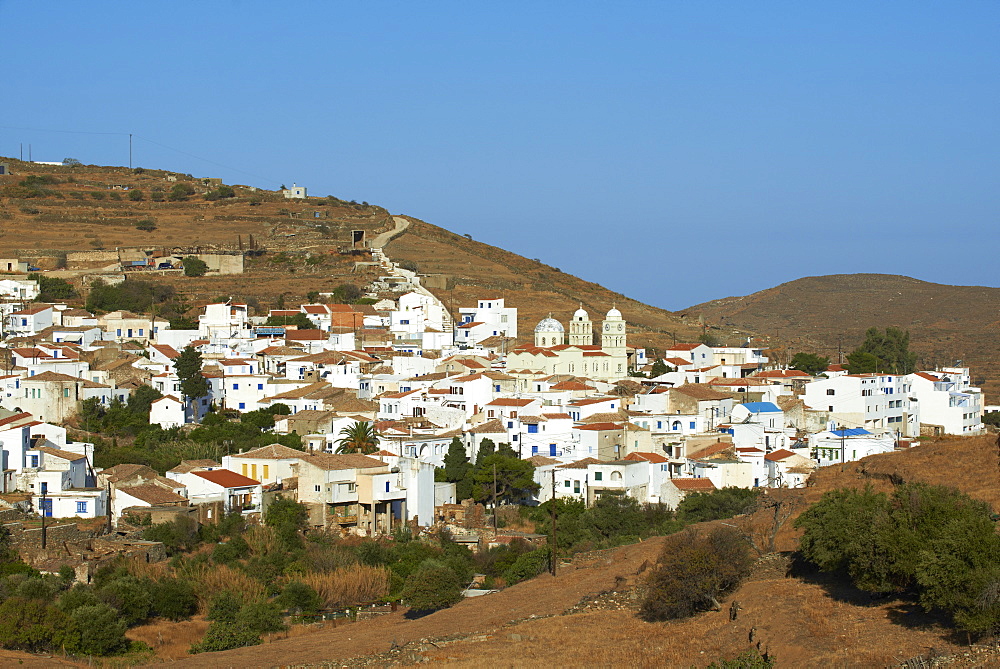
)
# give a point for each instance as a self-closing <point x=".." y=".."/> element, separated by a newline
<point x="673" y="151"/>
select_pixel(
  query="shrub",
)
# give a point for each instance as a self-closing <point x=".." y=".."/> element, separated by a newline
<point x="224" y="636"/>
<point x="725" y="503"/>
<point x="261" y="617"/>
<point x="97" y="195"/>
<point x="297" y="597"/>
<point x="146" y="225"/>
<point x="432" y="587"/>
<point x="135" y="195"/>
<point x="527" y="565"/>
<point x="933" y="541"/>
<point x="180" y="192"/>
<point x="173" y="599"/>
<point x="194" y="266"/>
<point x="694" y="570"/>
<point x="31" y="624"/>
<point x="130" y="597"/>
<point x="225" y="607"/>
<point x="77" y="596"/>
<point x="96" y="630"/>
<point x="156" y="195"/>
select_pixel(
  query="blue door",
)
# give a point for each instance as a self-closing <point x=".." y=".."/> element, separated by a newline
<point x="552" y="449"/>
<point x="47" y="508"/>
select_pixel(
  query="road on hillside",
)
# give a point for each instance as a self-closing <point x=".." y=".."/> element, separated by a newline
<point x="383" y="239"/>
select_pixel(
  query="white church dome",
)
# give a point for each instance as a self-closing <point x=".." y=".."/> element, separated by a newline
<point x="581" y="315"/>
<point x="613" y="315"/>
<point x="549" y="325"/>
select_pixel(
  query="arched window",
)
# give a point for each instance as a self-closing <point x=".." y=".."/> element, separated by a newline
<point x="676" y="425"/>
<point x="616" y="476"/>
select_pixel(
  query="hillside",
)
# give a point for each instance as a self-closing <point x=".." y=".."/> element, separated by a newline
<point x="823" y="313"/>
<point x="585" y="616"/>
<point x="90" y="208"/>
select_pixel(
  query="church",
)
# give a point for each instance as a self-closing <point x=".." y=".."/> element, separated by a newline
<point x="555" y="353"/>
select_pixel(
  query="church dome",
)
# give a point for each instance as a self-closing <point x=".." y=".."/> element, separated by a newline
<point x="613" y="315"/>
<point x="581" y="315"/>
<point x="549" y="325"/>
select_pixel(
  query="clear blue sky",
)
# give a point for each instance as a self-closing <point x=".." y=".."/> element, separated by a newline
<point x="674" y="151"/>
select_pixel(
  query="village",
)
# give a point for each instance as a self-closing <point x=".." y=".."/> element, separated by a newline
<point x="592" y="415"/>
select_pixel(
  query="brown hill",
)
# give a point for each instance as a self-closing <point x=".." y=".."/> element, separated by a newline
<point x="89" y="208"/>
<point x="586" y="615"/>
<point x="827" y="314"/>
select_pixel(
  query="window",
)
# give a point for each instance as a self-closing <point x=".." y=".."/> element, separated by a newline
<point x="567" y="484"/>
<point x="317" y="488"/>
<point x="119" y="329"/>
<point x="830" y="391"/>
<point x="140" y="332"/>
<point x="692" y="424"/>
<point x="532" y="429"/>
<point x="552" y="449"/>
<point x="243" y="405"/>
<point x="576" y="486"/>
<point x="534" y="450"/>
<point x="598" y="476"/>
<point x="496" y="388"/>
<point x="81" y="507"/>
<point x="387" y="486"/>
<point x="243" y="469"/>
<point x="236" y="386"/>
<point x="266" y="467"/>
<point x="34" y="460"/>
<point x="65" y="392"/>
<point x="510" y="424"/>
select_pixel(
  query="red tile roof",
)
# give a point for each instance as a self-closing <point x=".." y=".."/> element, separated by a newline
<point x="693" y="485"/>
<point x="780" y="454"/>
<point x="227" y="479"/>
<point x="647" y="457"/>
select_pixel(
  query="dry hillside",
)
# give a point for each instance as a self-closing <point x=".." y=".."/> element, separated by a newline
<point x="821" y="313"/>
<point x="586" y="617"/>
<point x="84" y="211"/>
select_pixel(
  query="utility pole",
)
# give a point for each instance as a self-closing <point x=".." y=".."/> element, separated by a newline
<point x="494" y="498"/>
<point x="130" y="150"/>
<point x="108" y="507"/>
<point x="552" y="549"/>
<point x="44" y="542"/>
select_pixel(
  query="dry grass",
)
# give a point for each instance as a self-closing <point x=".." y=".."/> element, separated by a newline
<point x="154" y="571"/>
<point x="213" y="579"/>
<point x="262" y="540"/>
<point x="170" y="640"/>
<point x="356" y="584"/>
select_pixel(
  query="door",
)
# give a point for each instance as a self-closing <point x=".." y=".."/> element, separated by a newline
<point x="47" y="508"/>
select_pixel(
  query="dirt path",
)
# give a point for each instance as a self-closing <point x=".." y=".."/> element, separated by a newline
<point x="383" y="239"/>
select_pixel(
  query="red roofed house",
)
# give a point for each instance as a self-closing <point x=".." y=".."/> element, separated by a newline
<point x="674" y="490"/>
<point x="786" y="469"/>
<point x="237" y="493"/>
<point x="30" y="320"/>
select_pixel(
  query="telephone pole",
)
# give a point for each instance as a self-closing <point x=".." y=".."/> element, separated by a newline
<point x="494" y="499"/>
<point x="552" y="548"/>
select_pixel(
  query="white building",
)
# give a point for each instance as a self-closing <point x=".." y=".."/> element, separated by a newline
<point x="490" y="318"/>
<point x="948" y="402"/>
<point x="875" y="402"/>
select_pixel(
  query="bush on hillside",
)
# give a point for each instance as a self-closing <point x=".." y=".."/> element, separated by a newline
<point x="694" y="571"/>
<point x="932" y="541"/>
<point x="431" y="587"/>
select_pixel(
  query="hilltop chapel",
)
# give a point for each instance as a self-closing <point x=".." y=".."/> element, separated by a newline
<point x="550" y="354"/>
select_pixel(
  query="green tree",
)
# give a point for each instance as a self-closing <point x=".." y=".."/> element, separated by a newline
<point x="512" y="477"/>
<point x="194" y="266"/>
<point x="810" y="363"/>
<point x="289" y="518"/>
<point x="173" y="599"/>
<point x="724" y="503"/>
<point x="188" y="368"/>
<point x="360" y="437"/>
<point x="887" y="351"/>
<point x="135" y="195"/>
<point x="431" y="587"/>
<point x="96" y="630"/>
<point x="659" y="368"/>
<point x="457" y="468"/>
<point x="53" y="290"/>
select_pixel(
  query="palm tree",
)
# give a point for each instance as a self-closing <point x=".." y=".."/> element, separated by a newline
<point x="358" y="438"/>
